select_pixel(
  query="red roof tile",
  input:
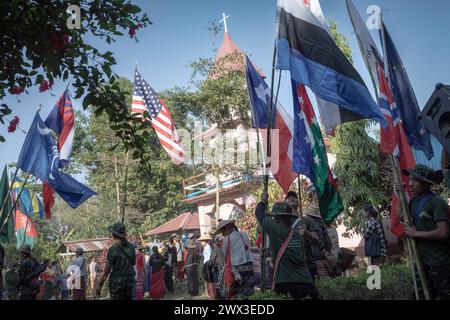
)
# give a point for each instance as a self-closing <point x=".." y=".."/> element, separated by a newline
<point x="90" y="245"/>
<point x="185" y="221"/>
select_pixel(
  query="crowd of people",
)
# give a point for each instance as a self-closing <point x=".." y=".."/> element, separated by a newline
<point x="300" y="249"/>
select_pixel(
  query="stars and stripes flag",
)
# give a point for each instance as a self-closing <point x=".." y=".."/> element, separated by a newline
<point x="144" y="100"/>
<point x="394" y="141"/>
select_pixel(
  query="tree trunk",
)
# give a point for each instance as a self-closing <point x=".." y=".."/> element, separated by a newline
<point x="116" y="176"/>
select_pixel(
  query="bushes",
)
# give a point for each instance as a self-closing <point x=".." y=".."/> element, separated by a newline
<point x="396" y="284"/>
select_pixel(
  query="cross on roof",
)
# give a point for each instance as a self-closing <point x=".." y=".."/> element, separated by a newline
<point x="224" y="20"/>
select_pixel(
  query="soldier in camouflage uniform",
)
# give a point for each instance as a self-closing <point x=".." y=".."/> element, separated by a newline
<point x="120" y="261"/>
<point x="27" y="289"/>
<point x="431" y="230"/>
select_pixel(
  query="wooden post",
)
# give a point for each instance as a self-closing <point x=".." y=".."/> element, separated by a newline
<point x="217" y="213"/>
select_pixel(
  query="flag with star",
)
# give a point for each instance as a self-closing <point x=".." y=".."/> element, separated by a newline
<point x="145" y="100"/>
<point x="310" y="155"/>
<point x="405" y="98"/>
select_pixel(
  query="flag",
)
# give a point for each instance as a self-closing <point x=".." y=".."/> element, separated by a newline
<point x="144" y="100"/>
<point x="49" y="200"/>
<point x="367" y="45"/>
<point x="61" y="120"/>
<point x="281" y="120"/>
<point x="6" y="231"/>
<point x="394" y="141"/>
<point x="39" y="156"/>
<point x="310" y="155"/>
<point x="26" y="232"/>
<point x="331" y="114"/>
<point x="305" y="47"/>
<point x="405" y="98"/>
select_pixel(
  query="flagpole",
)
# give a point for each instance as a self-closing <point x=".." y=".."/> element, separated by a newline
<point x="413" y="251"/>
<point x="15" y="203"/>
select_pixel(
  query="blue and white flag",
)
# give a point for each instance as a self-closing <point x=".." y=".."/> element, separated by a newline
<point x="305" y="47"/>
<point x="39" y="156"/>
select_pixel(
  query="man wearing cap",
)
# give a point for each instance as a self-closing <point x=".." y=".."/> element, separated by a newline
<point x="236" y="248"/>
<point x="28" y="288"/>
<point x="307" y="230"/>
<point x="430" y="228"/>
<point x="120" y="261"/>
<point x="78" y="270"/>
<point x="291" y="274"/>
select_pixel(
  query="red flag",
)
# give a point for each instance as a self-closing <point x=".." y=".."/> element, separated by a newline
<point x="49" y="200"/>
<point x="394" y="141"/>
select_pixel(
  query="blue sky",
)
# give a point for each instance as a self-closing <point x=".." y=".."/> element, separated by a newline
<point x="179" y="35"/>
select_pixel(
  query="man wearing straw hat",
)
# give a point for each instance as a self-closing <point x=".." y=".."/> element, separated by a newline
<point x="321" y="249"/>
<point x="191" y="262"/>
<point x="207" y="272"/>
<point x="238" y="256"/>
<point x="430" y="219"/>
<point x="291" y="275"/>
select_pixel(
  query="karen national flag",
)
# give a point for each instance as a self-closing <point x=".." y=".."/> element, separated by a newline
<point x="61" y="120"/>
<point x="305" y="47"/>
<point x="310" y="155"/>
<point x="281" y="120"/>
<point x="39" y="156"/>
<point x="405" y="98"/>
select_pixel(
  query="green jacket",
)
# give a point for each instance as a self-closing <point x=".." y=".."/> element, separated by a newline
<point x="26" y="267"/>
<point x="293" y="265"/>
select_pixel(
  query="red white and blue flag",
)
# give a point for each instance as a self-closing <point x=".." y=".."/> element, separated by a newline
<point x="144" y="100"/>
<point x="394" y="141"/>
<point x="61" y="120"/>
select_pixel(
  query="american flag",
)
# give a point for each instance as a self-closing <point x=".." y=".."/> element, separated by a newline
<point x="145" y="99"/>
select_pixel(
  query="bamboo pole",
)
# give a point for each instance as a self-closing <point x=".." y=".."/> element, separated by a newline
<point x="412" y="244"/>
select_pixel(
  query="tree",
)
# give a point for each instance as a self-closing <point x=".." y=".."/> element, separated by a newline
<point x="38" y="46"/>
<point x="360" y="166"/>
<point x="153" y="190"/>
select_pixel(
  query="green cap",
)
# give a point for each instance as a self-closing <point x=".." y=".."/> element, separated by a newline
<point x="422" y="173"/>
<point x="282" y="209"/>
<point x="118" y="229"/>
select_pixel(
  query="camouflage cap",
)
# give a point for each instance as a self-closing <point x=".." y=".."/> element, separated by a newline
<point x="118" y="229"/>
<point x="282" y="209"/>
<point x="422" y="173"/>
<point x="26" y="248"/>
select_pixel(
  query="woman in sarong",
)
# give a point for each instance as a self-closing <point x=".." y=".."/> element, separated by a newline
<point x="157" y="287"/>
<point x="191" y="261"/>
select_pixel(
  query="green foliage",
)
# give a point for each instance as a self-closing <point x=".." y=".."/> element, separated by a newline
<point x="37" y="45"/>
<point x="396" y="284"/>
<point x="363" y="173"/>
<point x="268" y="295"/>
<point x="361" y="178"/>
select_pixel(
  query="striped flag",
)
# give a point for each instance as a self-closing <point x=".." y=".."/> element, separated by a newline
<point x="61" y="120"/>
<point x="307" y="50"/>
<point x="144" y="100"/>
<point x="394" y="141"/>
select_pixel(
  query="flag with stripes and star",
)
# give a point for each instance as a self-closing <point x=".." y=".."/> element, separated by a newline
<point x="310" y="155"/>
<point x="144" y="100"/>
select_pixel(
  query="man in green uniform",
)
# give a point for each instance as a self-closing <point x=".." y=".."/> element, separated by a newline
<point x="120" y="261"/>
<point x="430" y="219"/>
<point x="28" y="288"/>
<point x="307" y="229"/>
<point x="291" y="275"/>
